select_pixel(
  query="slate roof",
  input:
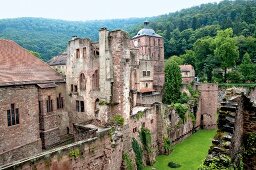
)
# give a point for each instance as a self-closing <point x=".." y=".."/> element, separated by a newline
<point x="146" y="31"/>
<point x="58" y="60"/>
<point x="19" y="66"/>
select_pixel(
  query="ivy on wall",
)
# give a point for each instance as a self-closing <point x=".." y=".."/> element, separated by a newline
<point x="138" y="153"/>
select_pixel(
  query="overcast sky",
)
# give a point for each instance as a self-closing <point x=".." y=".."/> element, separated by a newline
<point x="92" y="9"/>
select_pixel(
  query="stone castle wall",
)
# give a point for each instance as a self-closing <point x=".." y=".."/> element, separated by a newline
<point x="92" y="154"/>
<point x="208" y="104"/>
<point x="20" y="140"/>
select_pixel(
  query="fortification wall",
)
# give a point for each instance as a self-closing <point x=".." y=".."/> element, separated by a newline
<point x="91" y="154"/>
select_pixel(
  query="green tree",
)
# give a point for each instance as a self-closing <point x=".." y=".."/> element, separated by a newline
<point x="138" y="153"/>
<point x="247" y="68"/>
<point x="176" y="59"/>
<point x="173" y="83"/>
<point x="226" y="50"/>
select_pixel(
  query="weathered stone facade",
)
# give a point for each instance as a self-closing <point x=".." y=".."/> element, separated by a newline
<point x="208" y="103"/>
<point x="235" y="139"/>
<point x="116" y="76"/>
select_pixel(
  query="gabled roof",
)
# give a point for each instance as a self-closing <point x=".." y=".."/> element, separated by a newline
<point x="58" y="60"/>
<point x="18" y="66"/>
<point x="186" y="68"/>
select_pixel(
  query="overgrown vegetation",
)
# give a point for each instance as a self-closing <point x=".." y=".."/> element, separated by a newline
<point x="118" y="120"/>
<point x="167" y="145"/>
<point x="138" y="154"/>
<point x="249" y="142"/>
<point x="172" y="84"/>
<point x="74" y="153"/>
<point x="181" y="110"/>
<point x="146" y="140"/>
<point x="127" y="162"/>
<point x="218" y="162"/>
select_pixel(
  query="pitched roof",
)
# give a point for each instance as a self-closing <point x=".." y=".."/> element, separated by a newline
<point x="18" y="66"/>
<point x="186" y="68"/>
<point x="58" y="60"/>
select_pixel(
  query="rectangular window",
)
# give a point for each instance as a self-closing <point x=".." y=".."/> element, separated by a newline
<point x="72" y="87"/>
<point x="84" y="52"/>
<point x="49" y="105"/>
<point x="60" y="103"/>
<point x="75" y="90"/>
<point x="82" y="106"/>
<point x="148" y="73"/>
<point x="17" y="116"/>
<point x="13" y="116"/>
<point x="77" y="53"/>
<point x="144" y="73"/>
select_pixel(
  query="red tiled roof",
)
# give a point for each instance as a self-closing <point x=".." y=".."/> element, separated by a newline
<point x="18" y="66"/>
<point x="186" y="68"/>
<point x="58" y="60"/>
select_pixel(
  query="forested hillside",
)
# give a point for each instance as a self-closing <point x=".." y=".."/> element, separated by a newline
<point x="196" y="35"/>
<point x="219" y="40"/>
<point x="49" y="37"/>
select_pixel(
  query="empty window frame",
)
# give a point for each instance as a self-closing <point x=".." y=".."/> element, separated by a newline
<point x="13" y="117"/>
<point x="80" y="106"/>
<point x="49" y="105"/>
<point x="77" y="53"/>
<point x="60" y="102"/>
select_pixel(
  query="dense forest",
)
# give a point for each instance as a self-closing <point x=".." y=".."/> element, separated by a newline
<point x="49" y="37"/>
<point x="219" y="40"/>
<point x="194" y="35"/>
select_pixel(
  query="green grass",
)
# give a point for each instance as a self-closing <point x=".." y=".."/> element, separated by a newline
<point x="190" y="153"/>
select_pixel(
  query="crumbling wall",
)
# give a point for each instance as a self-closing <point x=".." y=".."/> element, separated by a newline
<point x="235" y="139"/>
<point x="208" y="104"/>
<point x="91" y="154"/>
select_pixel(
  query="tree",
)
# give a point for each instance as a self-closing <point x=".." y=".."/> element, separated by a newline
<point x="176" y="59"/>
<point x="138" y="153"/>
<point x="247" y="68"/>
<point x="173" y="83"/>
<point x="226" y="50"/>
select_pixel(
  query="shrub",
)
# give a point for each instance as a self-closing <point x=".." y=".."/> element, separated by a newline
<point x="138" y="153"/>
<point x="118" y="120"/>
<point x="74" y="153"/>
<point x="167" y="145"/>
<point x="181" y="110"/>
<point x="183" y="98"/>
<point x="173" y="165"/>
<point x="127" y="161"/>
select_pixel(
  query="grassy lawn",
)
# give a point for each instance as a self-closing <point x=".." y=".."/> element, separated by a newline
<point x="189" y="153"/>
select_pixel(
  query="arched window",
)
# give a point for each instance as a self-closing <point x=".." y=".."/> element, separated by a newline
<point x="82" y="82"/>
<point x="95" y="80"/>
